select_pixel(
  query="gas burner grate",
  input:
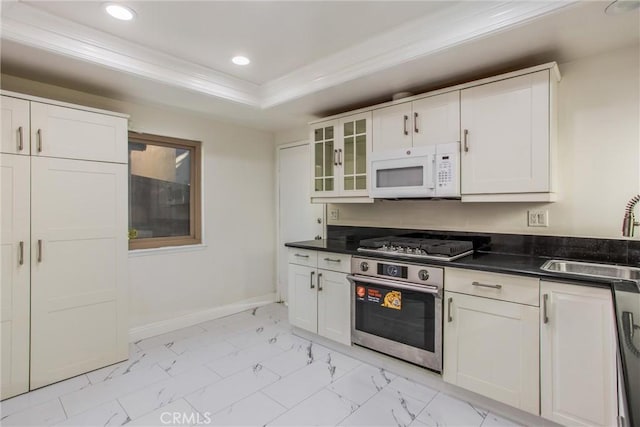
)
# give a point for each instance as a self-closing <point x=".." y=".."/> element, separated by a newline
<point x="401" y="246"/>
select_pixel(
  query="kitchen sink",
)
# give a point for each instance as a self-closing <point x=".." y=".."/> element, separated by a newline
<point x="592" y="269"/>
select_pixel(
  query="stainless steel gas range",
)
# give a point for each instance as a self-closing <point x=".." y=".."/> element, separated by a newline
<point x="397" y="305"/>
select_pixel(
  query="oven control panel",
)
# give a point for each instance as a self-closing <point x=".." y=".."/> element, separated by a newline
<point x="412" y="273"/>
<point x="392" y="270"/>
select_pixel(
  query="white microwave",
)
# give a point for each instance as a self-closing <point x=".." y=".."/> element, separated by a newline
<point x="416" y="172"/>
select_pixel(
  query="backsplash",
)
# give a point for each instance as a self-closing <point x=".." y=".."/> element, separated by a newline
<point x="589" y="249"/>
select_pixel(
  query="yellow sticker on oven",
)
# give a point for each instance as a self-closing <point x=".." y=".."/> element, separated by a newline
<point x="393" y="299"/>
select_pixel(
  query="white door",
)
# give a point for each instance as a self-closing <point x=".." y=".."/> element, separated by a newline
<point x="15" y="125"/>
<point x="303" y="297"/>
<point x="334" y="306"/>
<point x="79" y="267"/>
<point x="391" y="127"/>
<point x="299" y="219"/>
<point x="436" y="119"/>
<point x="577" y="355"/>
<point x="15" y="270"/>
<point x="491" y="348"/>
<point x="507" y="124"/>
<point x="76" y="134"/>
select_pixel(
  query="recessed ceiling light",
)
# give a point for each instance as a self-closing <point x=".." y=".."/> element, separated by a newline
<point x="622" y="6"/>
<point x="240" y="60"/>
<point x="119" y="11"/>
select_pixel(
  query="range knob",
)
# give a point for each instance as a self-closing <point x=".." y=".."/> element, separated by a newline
<point x="423" y="275"/>
<point x="364" y="266"/>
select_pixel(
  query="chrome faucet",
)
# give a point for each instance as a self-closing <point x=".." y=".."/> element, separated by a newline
<point x="629" y="223"/>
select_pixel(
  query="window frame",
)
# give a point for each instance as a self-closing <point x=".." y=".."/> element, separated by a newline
<point x="195" y="194"/>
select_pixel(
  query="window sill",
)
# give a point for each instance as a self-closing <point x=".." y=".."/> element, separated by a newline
<point x="134" y="253"/>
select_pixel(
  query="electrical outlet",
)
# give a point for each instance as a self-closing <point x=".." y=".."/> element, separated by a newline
<point x="538" y="218"/>
<point x="333" y="214"/>
<point x="543" y="218"/>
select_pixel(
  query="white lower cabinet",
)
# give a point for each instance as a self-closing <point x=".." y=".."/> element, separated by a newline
<point x="577" y="355"/>
<point x="303" y="297"/>
<point x="79" y="267"/>
<point x="319" y="298"/>
<point x="15" y="274"/>
<point x="491" y="348"/>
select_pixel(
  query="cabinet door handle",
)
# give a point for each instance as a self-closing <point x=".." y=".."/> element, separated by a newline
<point x="332" y="260"/>
<point x="319" y="284"/>
<point x="449" y="316"/>
<point x="311" y="285"/>
<point x="301" y="256"/>
<point x="482" y="285"/>
<point x="415" y="122"/>
<point x="340" y="156"/>
<point x="20" y="137"/>
<point x="406" y="119"/>
<point x="21" y="253"/>
<point x="466" y="140"/>
<point x="39" y="254"/>
<point x="545" y="317"/>
<point x="39" y="140"/>
<point x="335" y="157"/>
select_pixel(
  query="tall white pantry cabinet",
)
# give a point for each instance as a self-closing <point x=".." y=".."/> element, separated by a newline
<point x="64" y="241"/>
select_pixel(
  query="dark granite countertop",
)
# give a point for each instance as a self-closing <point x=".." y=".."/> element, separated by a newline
<point x="527" y="265"/>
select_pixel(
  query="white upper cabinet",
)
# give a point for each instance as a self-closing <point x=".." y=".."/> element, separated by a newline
<point x="392" y="127"/>
<point x="426" y="121"/>
<point x="507" y="126"/>
<point x="508" y="138"/>
<point x="75" y="134"/>
<point x="15" y="126"/>
<point x="436" y="119"/>
<point x="340" y="158"/>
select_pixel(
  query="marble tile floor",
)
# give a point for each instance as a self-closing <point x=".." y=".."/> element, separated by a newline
<point x="247" y="369"/>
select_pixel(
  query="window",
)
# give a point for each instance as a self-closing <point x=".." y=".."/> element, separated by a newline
<point x="164" y="191"/>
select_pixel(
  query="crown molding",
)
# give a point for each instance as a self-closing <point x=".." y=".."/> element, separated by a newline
<point x="425" y="36"/>
<point x="31" y="26"/>
<point x="460" y="23"/>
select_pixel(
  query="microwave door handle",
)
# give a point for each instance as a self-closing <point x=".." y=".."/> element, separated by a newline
<point x="429" y="174"/>
<point x="393" y="284"/>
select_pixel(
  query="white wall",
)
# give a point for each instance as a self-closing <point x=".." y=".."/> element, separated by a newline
<point x="292" y="135"/>
<point x="599" y="163"/>
<point x="237" y="263"/>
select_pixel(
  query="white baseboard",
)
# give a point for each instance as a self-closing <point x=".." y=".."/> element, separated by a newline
<point x="164" y="326"/>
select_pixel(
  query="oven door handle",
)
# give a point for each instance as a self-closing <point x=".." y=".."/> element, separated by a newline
<point x="393" y="284"/>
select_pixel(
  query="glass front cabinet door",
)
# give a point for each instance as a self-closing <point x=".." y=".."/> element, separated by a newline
<point x="340" y="155"/>
<point x="324" y="155"/>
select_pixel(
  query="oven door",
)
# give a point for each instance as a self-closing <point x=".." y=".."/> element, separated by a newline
<point x="399" y="319"/>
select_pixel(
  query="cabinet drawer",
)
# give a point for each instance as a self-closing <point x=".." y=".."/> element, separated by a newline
<point x="303" y="257"/>
<point x="519" y="289"/>
<point x="334" y="262"/>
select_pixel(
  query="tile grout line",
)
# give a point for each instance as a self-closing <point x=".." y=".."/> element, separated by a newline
<point x="363" y="403"/>
<point x="124" y="410"/>
<point x="63" y="410"/>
